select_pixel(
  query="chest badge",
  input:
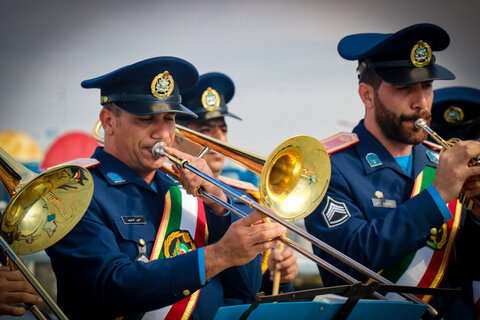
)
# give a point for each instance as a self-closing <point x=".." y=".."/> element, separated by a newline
<point x="432" y="157"/>
<point x="380" y="202"/>
<point x="373" y="160"/>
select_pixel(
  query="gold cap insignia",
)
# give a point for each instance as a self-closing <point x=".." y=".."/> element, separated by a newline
<point x="453" y="114"/>
<point x="162" y="85"/>
<point x="421" y="54"/>
<point x="105" y="99"/>
<point x="210" y="99"/>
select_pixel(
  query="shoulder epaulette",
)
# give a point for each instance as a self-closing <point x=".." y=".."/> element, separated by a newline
<point x="432" y="145"/>
<point x="238" y="184"/>
<point x="340" y="141"/>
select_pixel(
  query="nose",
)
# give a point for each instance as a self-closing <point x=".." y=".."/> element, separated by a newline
<point x="161" y="130"/>
<point x="219" y="134"/>
<point x="420" y="98"/>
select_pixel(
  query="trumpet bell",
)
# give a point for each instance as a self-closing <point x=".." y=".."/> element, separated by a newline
<point x="295" y="177"/>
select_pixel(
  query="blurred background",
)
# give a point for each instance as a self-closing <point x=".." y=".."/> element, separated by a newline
<point x="282" y="56"/>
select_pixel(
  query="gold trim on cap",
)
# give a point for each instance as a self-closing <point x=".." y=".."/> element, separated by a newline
<point x="421" y="54"/>
<point x="210" y="99"/>
<point x="162" y="85"/>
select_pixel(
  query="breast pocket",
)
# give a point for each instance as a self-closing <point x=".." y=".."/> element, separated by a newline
<point x="135" y="238"/>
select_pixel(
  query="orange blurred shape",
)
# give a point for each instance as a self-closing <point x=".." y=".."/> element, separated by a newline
<point x="20" y="146"/>
<point x="68" y="147"/>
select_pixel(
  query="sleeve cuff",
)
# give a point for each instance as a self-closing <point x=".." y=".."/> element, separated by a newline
<point x="441" y="205"/>
<point x="201" y="266"/>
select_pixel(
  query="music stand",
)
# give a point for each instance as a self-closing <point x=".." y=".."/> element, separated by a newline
<point x="299" y="304"/>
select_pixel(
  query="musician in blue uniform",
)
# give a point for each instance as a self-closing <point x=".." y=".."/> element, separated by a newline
<point x="391" y="203"/>
<point x="209" y="99"/>
<point x="146" y="248"/>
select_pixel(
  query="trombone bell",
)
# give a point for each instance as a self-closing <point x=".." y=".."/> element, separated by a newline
<point x="295" y="177"/>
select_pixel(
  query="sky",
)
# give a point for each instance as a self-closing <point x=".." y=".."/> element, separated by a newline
<point x="281" y="55"/>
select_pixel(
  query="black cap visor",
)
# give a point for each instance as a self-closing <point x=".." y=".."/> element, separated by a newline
<point x="403" y="76"/>
<point x="153" y="107"/>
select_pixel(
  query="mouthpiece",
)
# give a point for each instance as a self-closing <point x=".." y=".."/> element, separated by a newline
<point x="420" y="123"/>
<point x="158" y="151"/>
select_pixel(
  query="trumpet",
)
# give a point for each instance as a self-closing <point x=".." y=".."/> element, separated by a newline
<point x="467" y="201"/>
<point x="43" y="209"/>
<point x="292" y="185"/>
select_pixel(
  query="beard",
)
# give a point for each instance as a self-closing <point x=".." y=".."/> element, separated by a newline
<point x="396" y="128"/>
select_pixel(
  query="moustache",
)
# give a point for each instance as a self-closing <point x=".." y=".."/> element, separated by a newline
<point x="422" y="114"/>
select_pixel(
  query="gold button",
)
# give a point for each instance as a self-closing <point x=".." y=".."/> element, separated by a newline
<point x="433" y="231"/>
<point x="142" y="242"/>
<point x="186" y="292"/>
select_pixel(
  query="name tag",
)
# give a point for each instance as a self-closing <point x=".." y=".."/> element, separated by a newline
<point x="384" y="203"/>
<point x="133" y="219"/>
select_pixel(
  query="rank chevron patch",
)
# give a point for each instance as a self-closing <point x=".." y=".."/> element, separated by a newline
<point x="335" y="213"/>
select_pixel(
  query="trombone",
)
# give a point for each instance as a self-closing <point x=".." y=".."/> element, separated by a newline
<point x="43" y="208"/>
<point x="292" y="185"/>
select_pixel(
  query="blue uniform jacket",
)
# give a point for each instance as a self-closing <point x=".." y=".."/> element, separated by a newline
<point x="98" y="276"/>
<point x="378" y="236"/>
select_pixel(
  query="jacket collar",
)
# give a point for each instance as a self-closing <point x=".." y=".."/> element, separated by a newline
<point x="375" y="156"/>
<point x="117" y="173"/>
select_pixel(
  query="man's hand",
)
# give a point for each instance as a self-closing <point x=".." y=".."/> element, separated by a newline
<point x="453" y="170"/>
<point x="243" y="241"/>
<point x="192" y="182"/>
<point x="285" y="262"/>
<point x="15" y="289"/>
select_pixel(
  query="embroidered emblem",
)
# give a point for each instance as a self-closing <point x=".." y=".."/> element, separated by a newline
<point x="115" y="177"/>
<point x="162" y="85"/>
<point x="438" y="237"/>
<point x="210" y="99"/>
<point x="50" y="226"/>
<point x="379" y="194"/>
<point x="177" y="243"/>
<point x="421" y="54"/>
<point x="335" y="213"/>
<point x="433" y="157"/>
<point x="384" y="203"/>
<point x="133" y="220"/>
<point x="453" y="114"/>
<point x="373" y="160"/>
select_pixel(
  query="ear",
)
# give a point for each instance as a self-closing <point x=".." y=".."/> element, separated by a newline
<point x="367" y="94"/>
<point x="107" y="119"/>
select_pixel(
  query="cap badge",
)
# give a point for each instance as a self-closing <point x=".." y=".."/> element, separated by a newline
<point x="162" y="85"/>
<point x="421" y="54"/>
<point x="453" y="114"/>
<point x="210" y="99"/>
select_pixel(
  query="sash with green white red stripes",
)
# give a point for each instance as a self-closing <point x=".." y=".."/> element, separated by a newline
<point x="183" y="228"/>
<point x="426" y="266"/>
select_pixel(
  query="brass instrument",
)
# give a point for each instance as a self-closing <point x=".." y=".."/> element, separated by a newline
<point x="42" y="210"/>
<point x="291" y="187"/>
<point x="468" y="202"/>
